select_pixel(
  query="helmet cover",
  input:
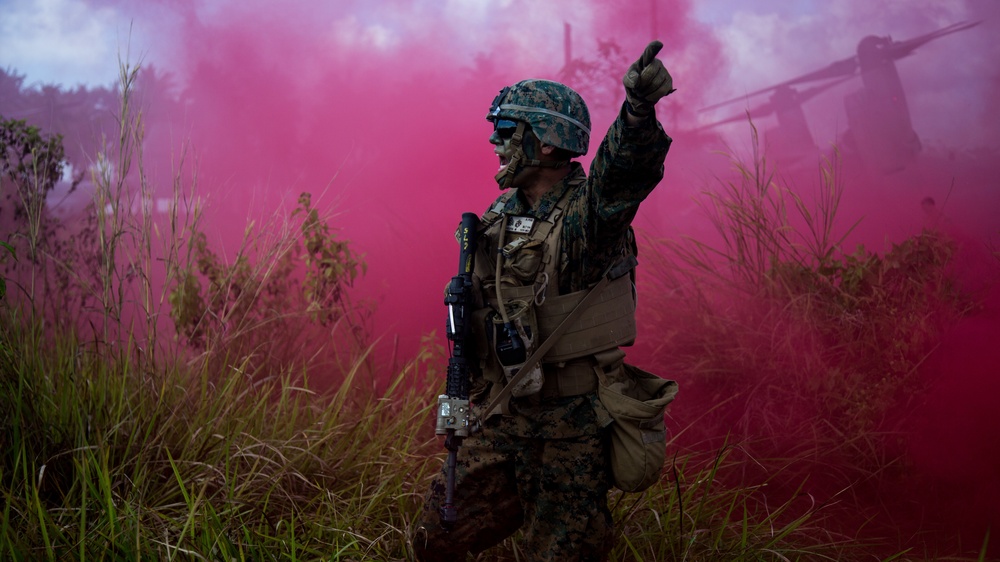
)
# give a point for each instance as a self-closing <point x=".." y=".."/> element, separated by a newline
<point x="557" y="114"/>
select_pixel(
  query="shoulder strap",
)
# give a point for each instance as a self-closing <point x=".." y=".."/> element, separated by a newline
<point x="621" y="268"/>
<point x="551" y="229"/>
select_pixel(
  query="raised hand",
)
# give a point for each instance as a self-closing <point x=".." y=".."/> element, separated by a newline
<point x="646" y="81"/>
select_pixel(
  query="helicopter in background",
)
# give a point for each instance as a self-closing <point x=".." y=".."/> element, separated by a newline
<point x="880" y="131"/>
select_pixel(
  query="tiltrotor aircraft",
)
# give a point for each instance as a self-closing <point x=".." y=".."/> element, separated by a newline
<point x="879" y="130"/>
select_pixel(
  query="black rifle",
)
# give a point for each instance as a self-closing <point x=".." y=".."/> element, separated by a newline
<point x="453" y="406"/>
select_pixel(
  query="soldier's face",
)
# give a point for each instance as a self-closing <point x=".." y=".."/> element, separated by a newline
<point x="503" y="131"/>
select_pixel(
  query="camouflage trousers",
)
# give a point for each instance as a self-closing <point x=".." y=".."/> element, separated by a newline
<point x="554" y="490"/>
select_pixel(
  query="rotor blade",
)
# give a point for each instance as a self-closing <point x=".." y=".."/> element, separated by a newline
<point x="776" y="103"/>
<point x="841" y="68"/>
<point x="733" y="119"/>
<point x="845" y="67"/>
<point x="760" y="111"/>
<point x="900" y="49"/>
<point x="806" y="95"/>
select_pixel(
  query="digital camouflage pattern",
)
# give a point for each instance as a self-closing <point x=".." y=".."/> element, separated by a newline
<point x="554" y="490"/>
<point x="557" y="114"/>
<point x="544" y="469"/>
<point x="626" y="168"/>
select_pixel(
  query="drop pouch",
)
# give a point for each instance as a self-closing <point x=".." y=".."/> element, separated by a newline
<point x="636" y="401"/>
<point x="522" y="315"/>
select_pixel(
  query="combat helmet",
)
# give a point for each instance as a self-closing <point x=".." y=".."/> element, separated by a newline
<point x="557" y="114"/>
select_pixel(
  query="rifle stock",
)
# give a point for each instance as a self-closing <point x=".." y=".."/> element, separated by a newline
<point x="453" y="406"/>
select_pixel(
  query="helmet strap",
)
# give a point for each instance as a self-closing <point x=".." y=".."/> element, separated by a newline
<point x="505" y="177"/>
<point x="519" y="160"/>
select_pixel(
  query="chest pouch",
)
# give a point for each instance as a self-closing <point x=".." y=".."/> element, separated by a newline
<point x="522" y="258"/>
<point x="514" y="337"/>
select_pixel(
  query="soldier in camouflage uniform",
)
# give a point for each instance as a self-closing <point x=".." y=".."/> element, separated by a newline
<point x="539" y="461"/>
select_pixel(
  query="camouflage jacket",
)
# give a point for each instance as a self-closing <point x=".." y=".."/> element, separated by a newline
<point x="626" y="168"/>
<point x="595" y="233"/>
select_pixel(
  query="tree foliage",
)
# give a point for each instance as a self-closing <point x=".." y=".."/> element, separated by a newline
<point x="31" y="167"/>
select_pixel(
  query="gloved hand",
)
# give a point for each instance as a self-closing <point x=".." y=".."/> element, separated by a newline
<point x="646" y="81"/>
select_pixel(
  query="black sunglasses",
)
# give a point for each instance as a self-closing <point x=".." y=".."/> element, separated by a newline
<point x="504" y="128"/>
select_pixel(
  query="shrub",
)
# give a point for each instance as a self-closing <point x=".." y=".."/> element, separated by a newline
<point x="284" y="287"/>
<point x="804" y="348"/>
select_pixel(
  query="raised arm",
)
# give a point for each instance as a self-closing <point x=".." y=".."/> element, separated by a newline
<point x="629" y="162"/>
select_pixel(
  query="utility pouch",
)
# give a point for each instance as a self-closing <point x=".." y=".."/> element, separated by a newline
<point x="636" y="401"/>
<point x="523" y="258"/>
<point x="515" y="341"/>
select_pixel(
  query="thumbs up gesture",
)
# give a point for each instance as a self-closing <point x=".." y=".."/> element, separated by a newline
<point x="646" y="81"/>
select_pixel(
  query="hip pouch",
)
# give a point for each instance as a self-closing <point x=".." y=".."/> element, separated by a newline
<point x="513" y="342"/>
<point x="636" y="401"/>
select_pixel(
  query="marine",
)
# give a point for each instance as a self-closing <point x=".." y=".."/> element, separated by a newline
<point x="548" y="248"/>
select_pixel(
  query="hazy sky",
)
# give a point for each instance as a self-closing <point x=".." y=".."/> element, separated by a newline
<point x="760" y="42"/>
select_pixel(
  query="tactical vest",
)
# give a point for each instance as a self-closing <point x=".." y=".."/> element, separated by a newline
<point x="529" y="280"/>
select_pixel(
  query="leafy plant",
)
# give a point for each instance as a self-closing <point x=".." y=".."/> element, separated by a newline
<point x="331" y="266"/>
<point x="292" y="284"/>
<point x="31" y="165"/>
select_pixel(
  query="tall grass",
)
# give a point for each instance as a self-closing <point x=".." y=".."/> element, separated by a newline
<point x="696" y="514"/>
<point x="104" y="460"/>
<point x="803" y="352"/>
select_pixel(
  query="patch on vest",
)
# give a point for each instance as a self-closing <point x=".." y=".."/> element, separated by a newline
<point x="520" y="225"/>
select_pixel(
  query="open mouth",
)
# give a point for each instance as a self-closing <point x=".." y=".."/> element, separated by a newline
<point x="503" y="162"/>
